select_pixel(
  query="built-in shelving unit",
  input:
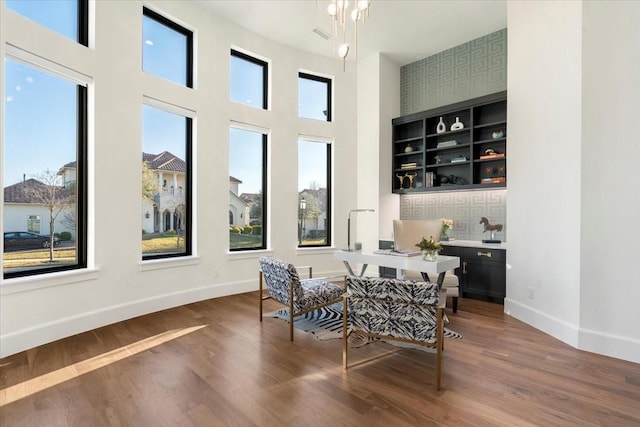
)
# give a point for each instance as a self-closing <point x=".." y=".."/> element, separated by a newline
<point x="472" y="154"/>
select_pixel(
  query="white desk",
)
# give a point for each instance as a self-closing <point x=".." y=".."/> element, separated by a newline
<point x="400" y="263"/>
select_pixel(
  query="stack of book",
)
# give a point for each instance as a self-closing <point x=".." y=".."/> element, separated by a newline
<point x="459" y="159"/>
<point x="493" y="180"/>
<point x="429" y="177"/>
<point x="445" y="144"/>
<point x="411" y="165"/>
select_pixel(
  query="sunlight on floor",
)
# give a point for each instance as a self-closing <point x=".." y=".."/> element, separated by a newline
<point x="35" y="385"/>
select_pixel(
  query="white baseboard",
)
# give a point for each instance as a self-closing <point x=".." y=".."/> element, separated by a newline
<point x="583" y="339"/>
<point x="25" y="339"/>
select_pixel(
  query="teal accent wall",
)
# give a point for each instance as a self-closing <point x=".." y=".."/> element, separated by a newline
<point x="467" y="71"/>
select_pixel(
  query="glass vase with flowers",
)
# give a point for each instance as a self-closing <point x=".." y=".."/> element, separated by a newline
<point x="429" y="248"/>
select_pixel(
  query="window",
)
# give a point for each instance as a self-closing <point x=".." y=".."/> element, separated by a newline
<point x="314" y="193"/>
<point x="247" y="189"/>
<point x="67" y="17"/>
<point x="45" y="139"/>
<point x="314" y="97"/>
<point x="248" y="80"/>
<point x="166" y="183"/>
<point x="167" y="49"/>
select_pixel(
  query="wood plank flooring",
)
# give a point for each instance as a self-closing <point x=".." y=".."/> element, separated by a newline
<point x="213" y="363"/>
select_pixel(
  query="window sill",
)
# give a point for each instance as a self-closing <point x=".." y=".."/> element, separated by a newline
<point x="252" y="254"/>
<point x="158" y="264"/>
<point x="316" y="250"/>
<point x="31" y="283"/>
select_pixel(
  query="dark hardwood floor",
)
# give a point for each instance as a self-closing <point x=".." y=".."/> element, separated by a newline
<point x="213" y="363"/>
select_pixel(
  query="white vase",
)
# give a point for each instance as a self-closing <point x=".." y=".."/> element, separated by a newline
<point x="441" y="126"/>
<point x="430" y="255"/>
<point x="457" y="125"/>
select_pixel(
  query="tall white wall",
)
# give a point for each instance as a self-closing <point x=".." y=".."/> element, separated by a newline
<point x="610" y="229"/>
<point x="572" y="68"/>
<point x="118" y="285"/>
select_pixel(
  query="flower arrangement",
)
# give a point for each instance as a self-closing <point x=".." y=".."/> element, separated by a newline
<point x="429" y="245"/>
<point x="447" y="224"/>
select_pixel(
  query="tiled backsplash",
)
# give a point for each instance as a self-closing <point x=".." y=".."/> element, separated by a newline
<point x="465" y="208"/>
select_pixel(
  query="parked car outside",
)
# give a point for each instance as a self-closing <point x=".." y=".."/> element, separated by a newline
<point x="19" y="240"/>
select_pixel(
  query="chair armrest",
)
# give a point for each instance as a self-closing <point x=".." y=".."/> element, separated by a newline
<point x="328" y="278"/>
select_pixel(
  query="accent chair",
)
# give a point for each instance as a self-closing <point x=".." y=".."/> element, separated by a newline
<point x="394" y="309"/>
<point x="299" y="295"/>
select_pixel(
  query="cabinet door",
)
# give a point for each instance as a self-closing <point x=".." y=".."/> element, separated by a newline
<point x="484" y="274"/>
<point x="449" y="250"/>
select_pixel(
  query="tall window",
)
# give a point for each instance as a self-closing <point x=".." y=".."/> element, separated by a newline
<point x="67" y="17"/>
<point x="248" y="80"/>
<point x="167" y="49"/>
<point x="166" y="184"/>
<point x="314" y="193"/>
<point x="314" y="97"/>
<point x="44" y="171"/>
<point x="247" y="189"/>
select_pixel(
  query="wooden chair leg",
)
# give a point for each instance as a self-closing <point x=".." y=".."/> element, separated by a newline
<point x="454" y="306"/>
<point x="260" y="292"/>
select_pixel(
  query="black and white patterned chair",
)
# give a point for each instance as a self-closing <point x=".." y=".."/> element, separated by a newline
<point x="300" y="296"/>
<point x="394" y="309"/>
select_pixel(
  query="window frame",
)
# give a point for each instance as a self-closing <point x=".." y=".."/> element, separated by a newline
<point x="188" y="179"/>
<point x="163" y="20"/>
<point x="329" y="172"/>
<point x="264" y="176"/>
<point x="329" y="82"/>
<point x="82" y="161"/>
<point x="265" y="74"/>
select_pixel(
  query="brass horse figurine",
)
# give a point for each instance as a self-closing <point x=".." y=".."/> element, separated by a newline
<point x="490" y="227"/>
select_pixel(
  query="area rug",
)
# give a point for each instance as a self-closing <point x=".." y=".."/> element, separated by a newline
<point x="326" y="324"/>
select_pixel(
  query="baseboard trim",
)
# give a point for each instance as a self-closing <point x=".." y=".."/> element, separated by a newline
<point x="25" y="339"/>
<point x="592" y="341"/>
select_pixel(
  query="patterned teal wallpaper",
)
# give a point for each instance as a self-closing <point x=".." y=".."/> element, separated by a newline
<point x="470" y="70"/>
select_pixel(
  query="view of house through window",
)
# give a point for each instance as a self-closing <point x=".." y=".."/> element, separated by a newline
<point x="165" y="164"/>
<point x="314" y="193"/>
<point x="44" y="140"/>
<point x="247" y="184"/>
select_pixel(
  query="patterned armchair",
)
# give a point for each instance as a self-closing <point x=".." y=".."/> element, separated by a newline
<point x="300" y="296"/>
<point x="393" y="309"/>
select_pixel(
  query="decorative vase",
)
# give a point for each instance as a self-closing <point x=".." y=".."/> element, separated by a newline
<point x="429" y="254"/>
<point x="457" y="125"/>
<point x="444" y="235"/>
<point x="497" y="134"/>
<point x="441" y="126"/>
<point x="408" y="148"/>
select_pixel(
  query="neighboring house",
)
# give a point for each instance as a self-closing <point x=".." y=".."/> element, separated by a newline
<point x="315" y="215"/>
<point x="22" y="213"/>
<point x="239" y="208"/>
<point x="166" y="212"/>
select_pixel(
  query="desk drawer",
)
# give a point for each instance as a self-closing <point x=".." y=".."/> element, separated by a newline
<point x="484" y="255"/>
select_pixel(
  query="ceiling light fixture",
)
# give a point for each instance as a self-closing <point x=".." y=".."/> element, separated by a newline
<point x="338" y="11"/>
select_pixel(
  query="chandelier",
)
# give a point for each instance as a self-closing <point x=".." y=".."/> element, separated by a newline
<point x="340" y="15"/>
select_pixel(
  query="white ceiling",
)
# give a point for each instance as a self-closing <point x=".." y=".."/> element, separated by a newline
<point x="405" y="30"/>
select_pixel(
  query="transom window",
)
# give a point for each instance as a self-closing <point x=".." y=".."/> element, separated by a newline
<point x="248" y="80"/>
<point x="314" y="97"/>
<point x="67" y="17"/>
<point x="314" y="192"/>
<point x="167" y="49"/>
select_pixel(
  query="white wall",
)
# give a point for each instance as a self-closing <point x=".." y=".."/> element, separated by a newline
<point x="118" y="285"/>
<point x="610" y="198"/>
<point x="569" y="74"/>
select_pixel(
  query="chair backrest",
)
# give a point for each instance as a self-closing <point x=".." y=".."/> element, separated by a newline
<point x="403" y="309"/>
<point x="279" y="276"/>
<point x="408" y="232"/>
